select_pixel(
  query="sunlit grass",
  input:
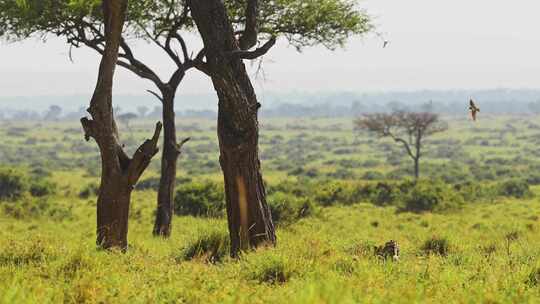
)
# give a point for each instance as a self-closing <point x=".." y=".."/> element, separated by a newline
<point x="492" y="250"/>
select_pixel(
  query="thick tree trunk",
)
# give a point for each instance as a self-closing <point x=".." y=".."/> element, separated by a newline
<point x="119" y="172"/>
<point x="113" y="212"/>
<point x="165" y="200"/>
<point x="250" y="222"/>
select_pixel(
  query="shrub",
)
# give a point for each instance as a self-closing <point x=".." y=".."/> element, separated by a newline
<point x="431" y="196"/>
<point x="473" y="192"/>
<point x="385" y="194"/>
<point x="332" y="193"/>
<point x="13" y="184"/>
<point x="200" y="199"/>
<point x="211" y="247"/>
<point x="438" y="246"/>
<point x="514" y="188"/>
<point x="42" y="188"/>
<point x="287" y="208"/>
<point x="271" y="269"/>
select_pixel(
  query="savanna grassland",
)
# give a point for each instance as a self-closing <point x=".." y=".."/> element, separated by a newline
<point x="468" y="231"/>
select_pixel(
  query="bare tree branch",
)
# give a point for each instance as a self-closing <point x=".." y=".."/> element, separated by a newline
<point x="240" y="54"/>
<point x="178" y="147"/>
<point x="146" y="73"/>
<point x="155" y="94"/>
<point x="143" y="155"/>
<point x="405" y="144"/>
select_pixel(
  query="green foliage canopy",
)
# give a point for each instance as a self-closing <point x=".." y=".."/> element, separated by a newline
<point x="302" y="23"/>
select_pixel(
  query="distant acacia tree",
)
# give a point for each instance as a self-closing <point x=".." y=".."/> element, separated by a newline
<point x="53" y="113"/>
<point x="406" y="128"/>
<point x="142" y="110"/>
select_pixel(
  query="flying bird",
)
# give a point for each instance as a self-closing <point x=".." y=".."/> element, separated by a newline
<point x="473" y="109"/>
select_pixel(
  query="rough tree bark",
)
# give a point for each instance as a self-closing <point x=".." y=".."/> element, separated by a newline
<point x="169" y="158"/>
<point x="119" y="173"/>
<point x="166" y="95"/>
<point x="250" y="222"/>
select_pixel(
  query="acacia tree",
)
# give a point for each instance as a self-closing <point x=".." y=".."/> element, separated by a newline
<point x="406" y="128"/>
<point x="119" y="173"/>
<point x="230" y="30"/>
<point x="81" y="24"/>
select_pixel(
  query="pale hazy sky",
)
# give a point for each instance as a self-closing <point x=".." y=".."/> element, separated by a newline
<point x="434" y="44"/>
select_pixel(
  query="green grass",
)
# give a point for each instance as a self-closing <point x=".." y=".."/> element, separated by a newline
<point x="326" y="259"/>
<point x="490" y="251"/>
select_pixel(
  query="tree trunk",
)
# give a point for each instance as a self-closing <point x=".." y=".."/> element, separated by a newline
<point x="113" y="212"/>
<point x="165" y="200"/>
<point x="250" y="222"/>
<point x="119" y="173"/>
<point x="418" y="146"/>
<point x="416" y="168"/>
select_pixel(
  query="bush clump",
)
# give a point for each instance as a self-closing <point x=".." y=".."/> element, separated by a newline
<point x="514" y="188"/>
<point x="473" y="192"/>
<point x="333" y="193"/>
<point x="13" y="184"/>
<point x="273" y="269"/>
<point x="286" y="208"/>
<point x="205" y="198"/>
<point x="210" y="247"/>
<point x="385" y="194"/>
<point x="42" y="188"/>
<point x="437" y="246"/>
<point x="431" y="196"/>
